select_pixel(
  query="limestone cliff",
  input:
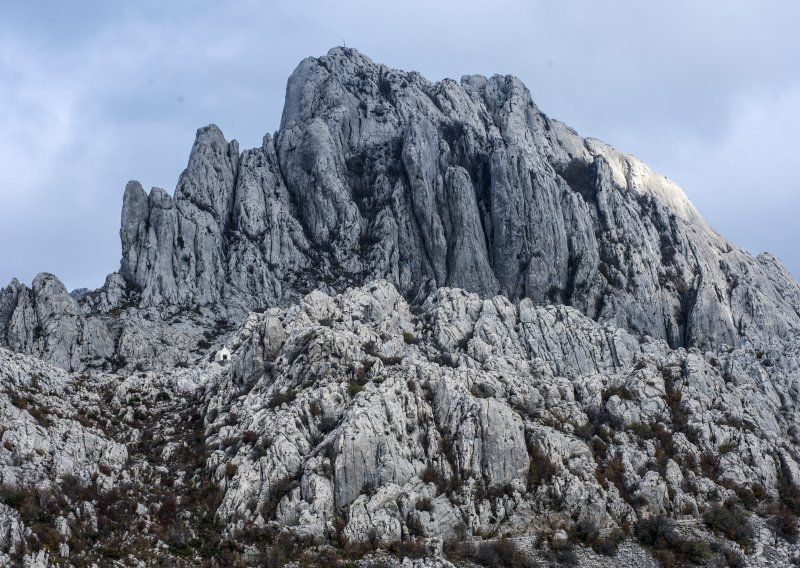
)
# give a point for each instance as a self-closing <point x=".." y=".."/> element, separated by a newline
<point x="380" y="173"/>
<point x="458" y="332"/>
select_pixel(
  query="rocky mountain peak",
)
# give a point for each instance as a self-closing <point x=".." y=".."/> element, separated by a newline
<point x="210" y="177"/>
<point x="456" y="329"/>
<point x="380" y="173"/>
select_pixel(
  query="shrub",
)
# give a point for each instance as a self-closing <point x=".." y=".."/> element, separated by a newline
<point x="542" y="469"/>
<point x="661" y="534"/>
<point x="783" y="523"/>
<point x="620" y="390"/>
<point x="17" y="400"/>
<point x="734" y="558"/>
<point x="410" y="338"/>
<point x="789" y="495"/>
<point x="282" y="397"/>
<point x="12" y="497"/>
<point x="353" y="388"/>
<point x="230" y="470"/>
<point x="609" y="544"/>
<point x="731" y="520"/>
<point x="709" y="465"/>
<point x="587" y="532"/>
<point x="503" y="552"/>
<point x="415" y="548"/>
<point x="327" y="424"/>
<point x="429" y="475"/>
<point x="229" y="442"/>
<point x="363" y="370"/>
<point x="117" y="362"/>
<point x="641" y="429"/>
<point x="680" y="419"/>
<point x="445" y="359"/>
<point x="614" y="472"/>
<point x="562" y="552"/>
<point x="586" y="431"/>
<point x="278" y="491"/>
<point x="40" y="413"/>
<point x="750" y="497"/>
<point x="167" y="511"/>
<point x="415" y="526"/>
<point x="287" y="546"/>
<point x="249" y="437"/>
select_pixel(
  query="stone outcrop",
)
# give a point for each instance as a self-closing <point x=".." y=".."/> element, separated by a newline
<point x="481" y="416"/>
<point x="380" y="173"/>
<point x="459" y="332"/>
<point x="46" y="321"/>
<point x="354" y="419"/>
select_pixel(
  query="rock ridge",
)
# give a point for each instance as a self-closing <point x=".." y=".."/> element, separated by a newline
<point x="463" y="428"/>
<point x="380" y="173"/>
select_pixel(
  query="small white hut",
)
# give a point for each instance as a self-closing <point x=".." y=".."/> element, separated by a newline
<point x="223" y="356"/>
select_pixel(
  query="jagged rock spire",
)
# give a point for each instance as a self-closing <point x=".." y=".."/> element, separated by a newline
<point x="380" y="173"/>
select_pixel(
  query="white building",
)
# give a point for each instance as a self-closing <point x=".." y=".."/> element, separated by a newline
<point x="223" y="355"/>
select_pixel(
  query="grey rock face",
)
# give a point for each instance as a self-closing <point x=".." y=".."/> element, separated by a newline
<point x="481" y="416"/>
<point x="87" y="459"/>
<point x="173" y="250"/>
<point x="45" y="320"/>
<point x="460" y="319"/>
<point x="352" y="418"/>
<point x="103" y="329"/>
<point x="379" y="173"/>
<point x="469" y="185"/>
<point x="42" y="435"/>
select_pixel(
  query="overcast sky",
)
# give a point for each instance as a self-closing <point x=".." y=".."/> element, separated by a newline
<point x="93" y="94"/>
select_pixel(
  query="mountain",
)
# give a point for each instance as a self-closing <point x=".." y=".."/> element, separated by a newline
<point x="452" y="320"/>
<point x="379" y="173"/>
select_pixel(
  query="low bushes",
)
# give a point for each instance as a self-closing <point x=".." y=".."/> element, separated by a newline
<point x="730" y="519"/>
<point x="542" y="469"/>
<point x="589" y="534"/>
<point x="502" y="552"/>
<point x="282" y="397"/>
<point x="410" y="338"/>
<point x="671" y="546"/>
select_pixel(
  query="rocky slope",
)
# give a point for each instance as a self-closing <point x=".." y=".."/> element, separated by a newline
<point x="460" y="333"/>
<point x="510" y="433"/>
<point x="379" y="173"/>
<point x="479" y="417"/>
